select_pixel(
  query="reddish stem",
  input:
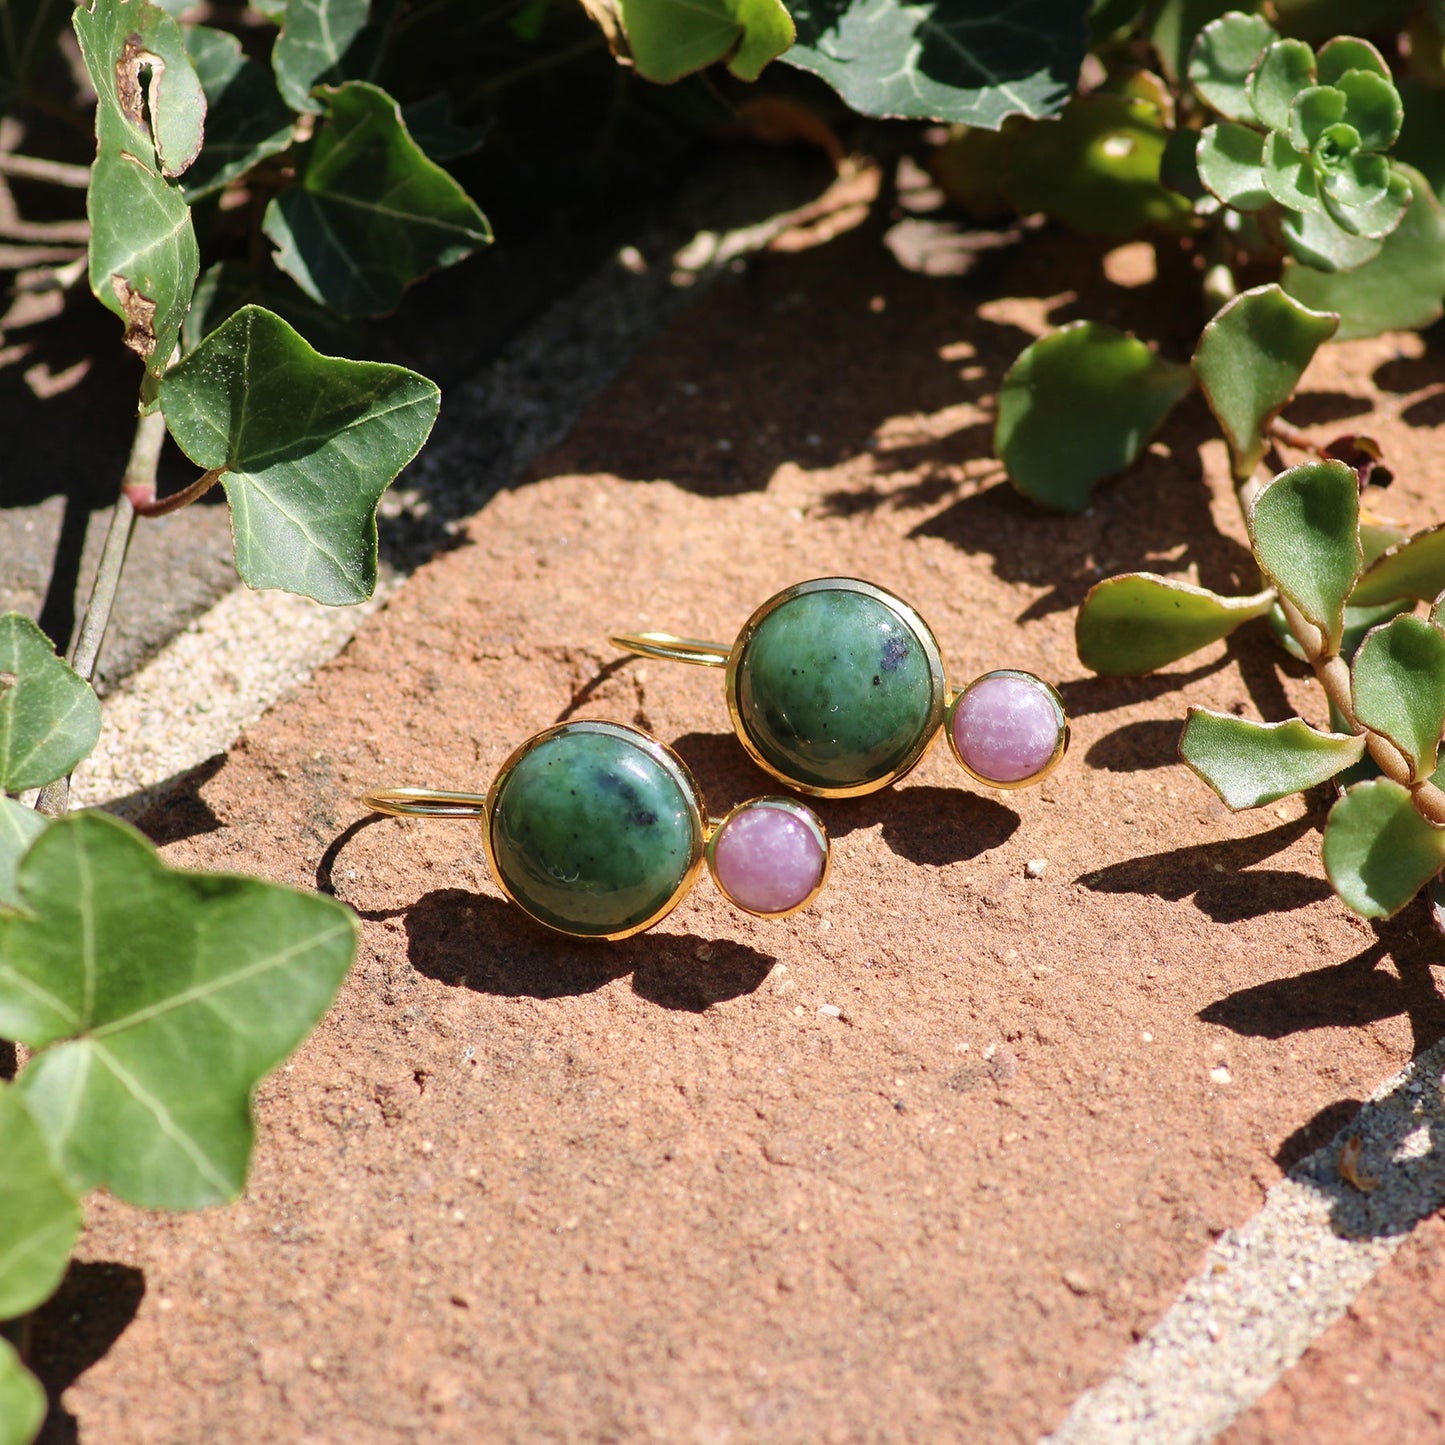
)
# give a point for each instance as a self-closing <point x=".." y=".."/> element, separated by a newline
<point x="142" y="494"/>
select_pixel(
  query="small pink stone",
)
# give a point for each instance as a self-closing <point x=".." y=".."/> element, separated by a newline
<point x="766" y="859"/>
<point x="1006" y="727"/>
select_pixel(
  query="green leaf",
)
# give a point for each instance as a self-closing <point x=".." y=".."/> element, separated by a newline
<point x="307" y="444"/>
<point x="370" y="213"/>
<point x="1345" y="53"/>
<point x="1078" y="405"/>
<point x="1290" y="177"/>
<point x="246" y="119"/>
<point x="668" y="39"/>
<point x="156" y="1001"/>
<point x="431" y="125"/>
<point x="1248" y="362"/>
<point x="1378" y="851"/>
<point x="1231" y="164"/>
<point x="1311" y="113"/>
<point x="1222" y="58"/>
<point x="1097" y="168"/>
<point x="1422" y="136"/>
<point x="1373" y="107"/>
<point x="1138" y="622"/>
<point x="978" y="61"/>
<point x="1402" y="289"/>
<point x="1366" y="196"/>
<point x="22" y="1399"/>
<point x="1414" y="568"/>
<point x="1250" y="764"/>
<point x="1304" y="527"/>
<point x="1398" y="679"/>
<point x="49" y="717"/>
<point x="1358" y="621"/>
<point x="143" y="257"/>
<point x="19" y="828"/>
<point x="321" y="42"/>
<point x="1317" y="240"/>
<point x="1172" y="25"/>
<point x="1285" y="68"/>
<point x="40" y="1216"/>
<point x="223" y="289"/>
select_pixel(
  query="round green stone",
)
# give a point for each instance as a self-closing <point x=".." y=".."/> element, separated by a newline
<point x="836" y="690"/>
<point x="591" y="833"/>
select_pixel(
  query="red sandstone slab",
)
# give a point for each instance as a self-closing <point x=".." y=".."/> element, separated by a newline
<point x="517" y="1188"/>
<point x="1379" y="1373"/>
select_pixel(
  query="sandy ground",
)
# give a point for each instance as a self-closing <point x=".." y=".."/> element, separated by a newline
<point x="521" y="1189"/>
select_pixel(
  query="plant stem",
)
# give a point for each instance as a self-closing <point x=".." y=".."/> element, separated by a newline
<point x="36" y="168"/>
<point x="1292" y="436"/>
<point x="143" y="494"/>
<point x="145" y="453"/>
<point x="1334" y="676"/>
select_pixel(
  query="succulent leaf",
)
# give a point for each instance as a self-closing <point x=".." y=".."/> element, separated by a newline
<point x="1137" y="622"/>
<point x="1398" y="681"/>
<point x="1283" y="69"/>
<point x="1231" y="165"/>
<point x="1378" y="851"/>
<point x="1304" y="527"/>
<point x="1250" y="764"/>
<point x="1223" y="55"/>
<point x="1345" y="53"/>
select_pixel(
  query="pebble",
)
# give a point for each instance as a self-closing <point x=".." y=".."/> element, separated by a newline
<point x="1035" y="867"/>
<point x="830" y="1010"/>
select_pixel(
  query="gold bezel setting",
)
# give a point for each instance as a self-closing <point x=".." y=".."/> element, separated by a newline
<point x="906" y="614"/>
<point x="805" y="815"/>
<point x="1061" y="745"/>
<point x="643" y="742"/>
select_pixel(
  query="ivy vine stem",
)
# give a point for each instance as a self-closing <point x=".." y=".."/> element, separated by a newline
<point x="140" y="470"/>
<point x="1334" y="677"/>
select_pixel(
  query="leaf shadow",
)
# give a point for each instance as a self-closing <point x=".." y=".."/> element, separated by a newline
<point x="76" y="1328"/>
<point x="1220" y="877"/>
<point x="1137" y="746"/>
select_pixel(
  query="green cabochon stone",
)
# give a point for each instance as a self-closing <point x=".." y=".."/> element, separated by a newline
<point x="835" y="690"/>
<point x="591" y="834"/>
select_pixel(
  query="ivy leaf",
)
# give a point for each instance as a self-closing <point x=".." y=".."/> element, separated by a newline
<point x="431" y="125"/>
<point x="1078" y="405"/>
<point x="1401" y="289"/>
<point x="1138" y="621"/>
<point x="49" y="717"/>
<point x="1250" y="764"/>
<point x="143" y="256"/>
<point x="1231" y="165"/>
<point x="39" y="1214"/>
<point x="370" y="213"/>
<point x="1398" y="681"/>
<point x="321" y="41"/>
<point x="22" y="1399"/>
<point x="668" y="39"/>
<point x="156" y="1001"/>
<point x="1097" y="168"/>
<point x="1413" y="568"/>
<point x="306" y="445"/>
<point x="1305" y="530"/>
<point x="977" y="61"/>
<point x="1222" y="57"/>
<point x="1249" y="361"/>
<point x="19" y="828"/>
<point x="246" y="119"/>
<point x="1378" y="851"/>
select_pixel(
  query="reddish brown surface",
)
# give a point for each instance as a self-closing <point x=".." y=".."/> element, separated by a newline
<point x="1379" y="1373"/>
<point x="520" y="1189"/>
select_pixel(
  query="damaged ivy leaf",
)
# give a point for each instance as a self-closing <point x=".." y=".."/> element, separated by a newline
<point x="150" y="114"/>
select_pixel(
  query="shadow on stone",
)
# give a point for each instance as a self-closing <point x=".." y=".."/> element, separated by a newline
<point x="1316" y="1133"/>
<point x="1214" y="875"/>
<point x="75" y="1328"/>
<point x="174" y="809"/>
<point x="1137" y="747"/>
<point x="472" y="941"/>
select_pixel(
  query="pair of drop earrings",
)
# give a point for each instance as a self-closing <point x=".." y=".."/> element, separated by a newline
<point x="836" y="687"/>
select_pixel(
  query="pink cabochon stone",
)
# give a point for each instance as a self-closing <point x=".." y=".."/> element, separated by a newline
<point x="766" y="859"/>
<point x="1006" y="728"/>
